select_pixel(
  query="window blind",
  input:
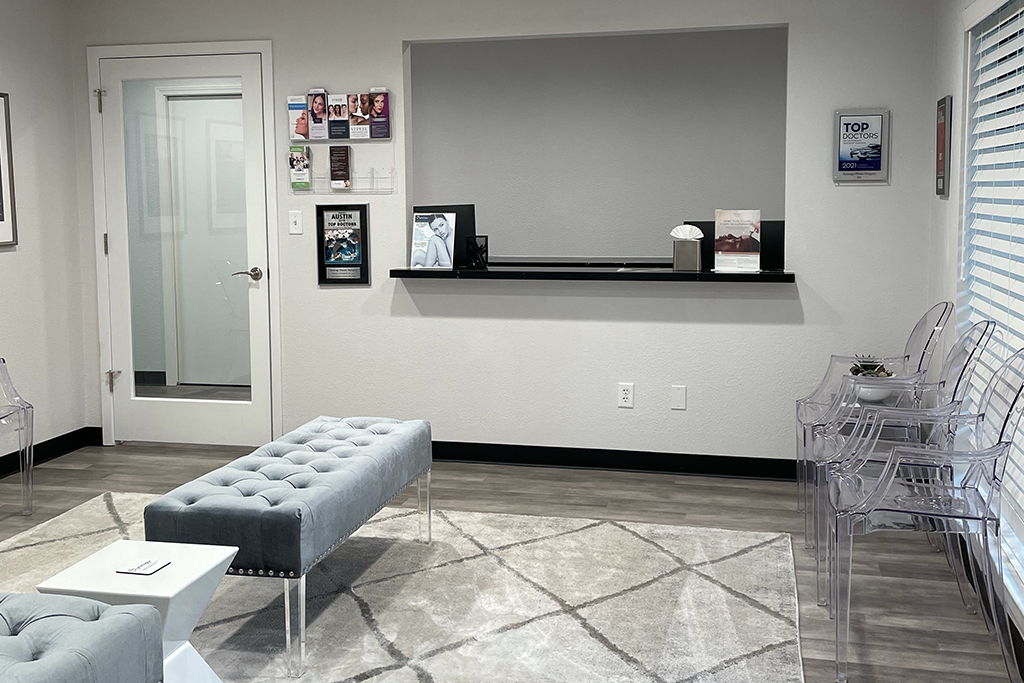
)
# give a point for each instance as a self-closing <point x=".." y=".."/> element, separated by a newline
<point x="992" y="275"/>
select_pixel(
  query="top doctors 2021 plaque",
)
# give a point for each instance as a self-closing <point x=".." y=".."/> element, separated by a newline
<point x="861" y="149"/>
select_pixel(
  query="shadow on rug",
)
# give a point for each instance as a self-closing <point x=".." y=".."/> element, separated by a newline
<point x="494" y="598"/>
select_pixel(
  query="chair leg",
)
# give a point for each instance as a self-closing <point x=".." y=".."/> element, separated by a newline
<point x="423" y="499"/>
<point x="810" y="513"/>
<point x="295" y="669"/>
<point x="801" y="472"/>
<point x="958" y="563"/>
<point x="843" y="579"/>
<point x="997" y="597"/>
<point x="26" y="452"/>
<point x="820" y="531"/>
<point x="978" y="570"/>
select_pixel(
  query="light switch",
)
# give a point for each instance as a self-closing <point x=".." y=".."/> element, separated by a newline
<point x="294" y="222"/>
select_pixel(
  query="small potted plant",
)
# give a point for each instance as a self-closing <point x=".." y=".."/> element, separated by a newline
<point x="868" y="368"/>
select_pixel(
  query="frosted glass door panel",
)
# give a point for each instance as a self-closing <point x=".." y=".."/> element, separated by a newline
<point x="185" y="181"/>
<point x="212" y="306"/>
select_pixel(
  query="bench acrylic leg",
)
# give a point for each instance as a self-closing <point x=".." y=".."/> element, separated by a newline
<point x="295" y="669"/>
<point x="423" y="496"/>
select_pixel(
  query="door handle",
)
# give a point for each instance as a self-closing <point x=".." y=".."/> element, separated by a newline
<point x="254" y="272"/>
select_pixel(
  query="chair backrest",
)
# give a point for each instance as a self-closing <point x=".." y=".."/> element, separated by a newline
<point x="8" y="394"/>
<point x="925" y="337"/>
<point x="957" y="369"/>
<point x="1001" y="403"/>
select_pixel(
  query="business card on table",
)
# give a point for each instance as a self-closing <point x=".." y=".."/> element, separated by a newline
<point x="144" y="567"/>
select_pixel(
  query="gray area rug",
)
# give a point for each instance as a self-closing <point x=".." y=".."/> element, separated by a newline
<point x="495" y="598"/>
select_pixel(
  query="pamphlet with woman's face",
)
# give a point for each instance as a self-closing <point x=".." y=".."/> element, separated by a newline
<point x="298" y="122"/>
<point x="337" y="117"/>
<point x="358" y="116"/>
<point x="380" y="115"/>
<point x="316" y="111"/>
<point x="433" y="240"/>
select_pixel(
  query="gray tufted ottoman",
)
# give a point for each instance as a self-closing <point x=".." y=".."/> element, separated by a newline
<point x="60" y="639"/>
<point x="289" y="503"/>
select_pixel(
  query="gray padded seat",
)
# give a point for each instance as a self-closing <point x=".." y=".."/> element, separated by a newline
<point x="289" y="503"/>
<point x="63" y="639"/>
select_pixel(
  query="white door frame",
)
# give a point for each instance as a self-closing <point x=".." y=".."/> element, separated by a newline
<point x="258" y="47"/>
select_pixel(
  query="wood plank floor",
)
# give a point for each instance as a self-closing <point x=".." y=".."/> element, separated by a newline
<point x="909" y="625"/>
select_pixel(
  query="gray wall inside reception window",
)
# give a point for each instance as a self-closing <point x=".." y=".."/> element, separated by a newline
<point x="598" y="145"/>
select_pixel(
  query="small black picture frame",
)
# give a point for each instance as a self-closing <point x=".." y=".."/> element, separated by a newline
<point x="943" y="137"/>
<point x="8" y="221"/>
<point x="343" y="244"/>
<point x="465" y="226"/>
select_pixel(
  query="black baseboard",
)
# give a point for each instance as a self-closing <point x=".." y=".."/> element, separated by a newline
<point x="606" y="459"/>
<point x="54" y="448"/>
<point x="510" y="454"/>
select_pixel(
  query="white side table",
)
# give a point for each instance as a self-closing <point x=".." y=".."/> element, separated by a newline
<point x="180" y="591"/>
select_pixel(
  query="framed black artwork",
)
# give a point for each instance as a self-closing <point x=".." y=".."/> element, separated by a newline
<point x="8" y="223"/>
<point x="343" y="244"/>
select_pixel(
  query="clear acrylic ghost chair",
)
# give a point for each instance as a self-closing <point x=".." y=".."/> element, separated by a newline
<point x="967" y="455"/>
<point x="917" y="355"/>
<point x="16" y="416"/>
<point x="832" y="440"/>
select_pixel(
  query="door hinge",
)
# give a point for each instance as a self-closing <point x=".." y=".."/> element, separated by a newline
<point x="111" y="376"/>
<point x="99" y="93"/>
<point x="106" y="244"/>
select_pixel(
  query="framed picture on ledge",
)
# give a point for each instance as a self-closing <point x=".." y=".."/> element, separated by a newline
<point x="8" y="222"/>
<point x="343" y="244"/>
<point x="439" y="235"/>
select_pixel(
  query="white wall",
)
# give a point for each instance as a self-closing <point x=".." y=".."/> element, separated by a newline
<point x="41" y="316"/>
<point x="950" y="63"/>
<point x="597" y="146"/>
<point x="537" y="363"/>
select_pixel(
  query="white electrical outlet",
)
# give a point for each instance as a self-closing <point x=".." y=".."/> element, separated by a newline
<point x="678" y="397"/>
<point x="625" y="394"/>
<point x="295" y="222"/>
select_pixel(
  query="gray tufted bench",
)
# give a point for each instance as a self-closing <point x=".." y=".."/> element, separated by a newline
<point x="61" y="639"/>
<point x="289" y="503"/>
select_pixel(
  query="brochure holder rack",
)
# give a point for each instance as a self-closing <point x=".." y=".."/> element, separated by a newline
<point x="372" y="162"/>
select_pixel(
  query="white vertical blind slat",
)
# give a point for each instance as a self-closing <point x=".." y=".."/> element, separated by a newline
<point x="992" y="287"/>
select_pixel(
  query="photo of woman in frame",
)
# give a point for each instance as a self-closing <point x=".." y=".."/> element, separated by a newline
<point x="433" y="241"/>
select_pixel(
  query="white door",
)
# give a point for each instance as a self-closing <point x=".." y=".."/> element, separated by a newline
<point x="186" y="220"/>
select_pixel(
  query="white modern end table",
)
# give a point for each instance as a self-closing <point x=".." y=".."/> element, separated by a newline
<point x="180" y="591"/>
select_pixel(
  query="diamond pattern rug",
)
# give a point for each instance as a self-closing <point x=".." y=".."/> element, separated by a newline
<point x="496" y="598"/>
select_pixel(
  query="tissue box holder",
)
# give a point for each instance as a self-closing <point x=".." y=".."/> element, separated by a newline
<point x="686" y="255"/>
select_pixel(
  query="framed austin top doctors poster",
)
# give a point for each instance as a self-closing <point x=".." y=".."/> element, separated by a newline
<point x="8" y="225"/>
<point x="343" y="244"/>
<point x="860" y="152"/>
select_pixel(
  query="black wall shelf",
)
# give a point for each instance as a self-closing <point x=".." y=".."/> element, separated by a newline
<point x="589" y="272"/>
<point x="773" y="260"/>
